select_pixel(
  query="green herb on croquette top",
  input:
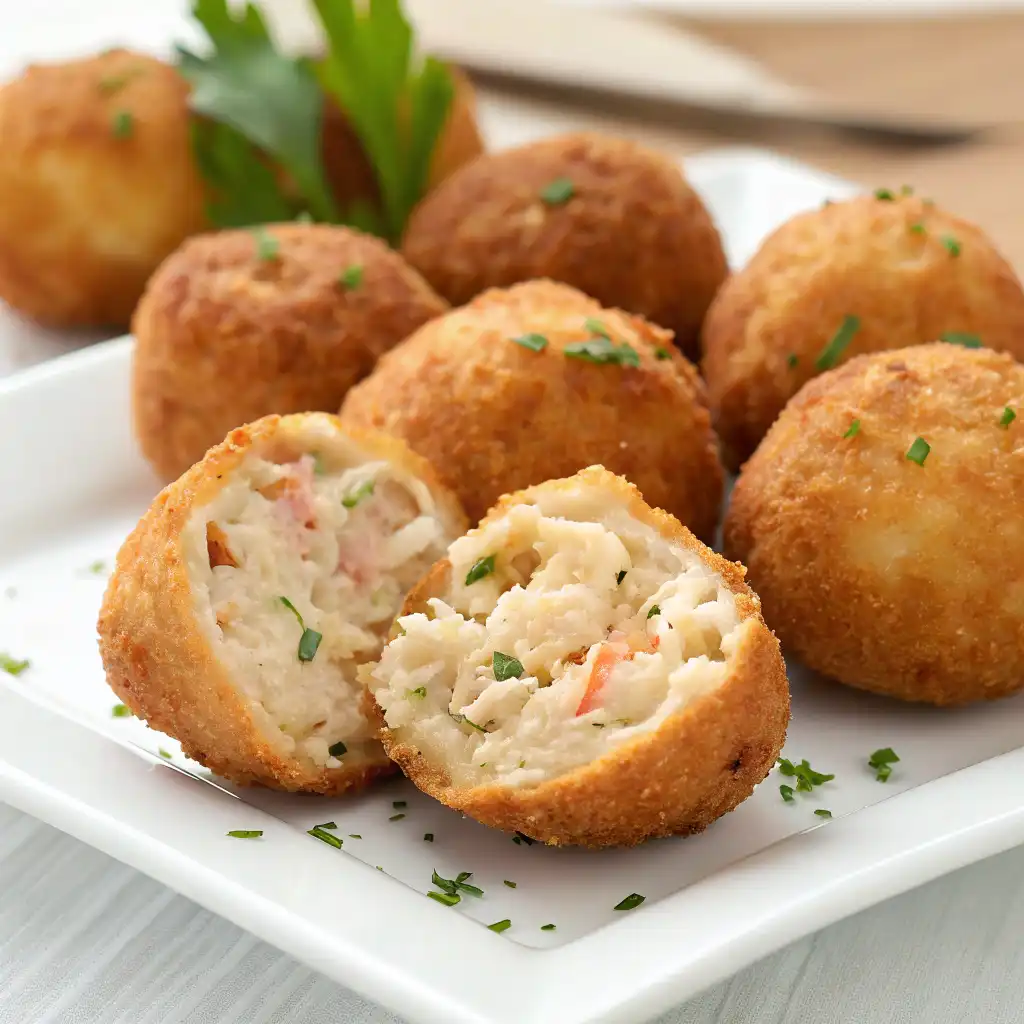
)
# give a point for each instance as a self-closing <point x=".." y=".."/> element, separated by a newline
<point x="884" y="194"/>
<point x="792" y="359"/>
<point x="122" y="125"/>
<point x="481" y="568"/>
<point x="952" y="244"/>
<point x="1007" y="418"/>
<point x="919" y="450"/>
<point x="918" y="228"/>
<point x="360" y="493"/>
<point x="534" y="342"/>
<point x="506" y="667"/>
<point x="597" y="326"/>
<point x="351" y="277"/>
<point x="662" y="353"/>
<point x="961" y="338"/>
<point x="806" y="777"/>
<point x="557" y="192"/>
<point x="309" y="642"/>
<point x="853" y="430"/>
<point x="882" y="761"/>
<point x="267" y="246"/>
<point x="832" y="352"/>
<point x="603" y="351"/>
<point x="13" y="666"/>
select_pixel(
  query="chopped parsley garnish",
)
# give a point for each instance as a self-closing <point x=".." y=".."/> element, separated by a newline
<point x="522" y="764"/>
<point x="122" y="125"/>
<point x="500" y="926"/>
<point x="420" y="691"/>
<point x="520" y="838"/>
<point x="961" y="338"/>
<point x="1007" y="418"/>
<point x="603" y="352"/>
<point x="882" y="761"/>
<point x="327" y="824"/>
<point x="547" y="927"/>
<point x="832" y="352"/>
<point x="267" y="246"/>
<point x="351" y="277"/>
<point x="337" y="749"/>
<point x="883" y="193"/>
<point x="325" y="837"/>
<point x="120" y="711"/>
<point x="15" y="666"/>
<point x="559" y="191"/>
<point x="98" y="567"/>
<point x="245" y="833"/>
<point x="853" y="430"/>
<point x="309" y="643"/>
<point x="109" y="84"/>
<point x="597" y="327"/>
<point x="662" y="353"/>
<point x="449" y="899"/>
<point x="919" y="450"/>
<point x="822" y="813"/>
<point x="511" y="885"/>
<point x="918" y="228"/>
<point x="952" y="244"/>
<point x="620" y="576"/>
<point x="806" y="777"/>
<point x="792" y="359"/>
<point x="787" y="793"/>
<point x="354" y="835"/>
<point x="361" y="493"/>
<point x="481" y="567"/>
<point x="165" y="754"/>
<point x="534" y="342"/>
<point x="428" y="837"/>
<point x="633" y="900"/>
<point x="506" y="667"/>
<point x="398" y="804"/>
<point x="453" y="886"/>
<point x="655" y="610"/>
<point x="396" y="817"/>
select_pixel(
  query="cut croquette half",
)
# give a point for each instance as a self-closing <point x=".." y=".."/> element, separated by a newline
<point x="255" y="585"/>
<point x="581" y="669"/>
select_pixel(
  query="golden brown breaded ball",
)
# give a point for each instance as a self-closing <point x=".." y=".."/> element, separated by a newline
<point x="880" y="523"/>
<point x="522" y="386"/>
<point x="243" y="602"/>
<point x="906" y="270"/>
<point x="349" y="171"/>
<point x="602" y="680"/>
<point x="239" y="324"/>
<point x="611" y="217"/>
<point x="97" y="185"/>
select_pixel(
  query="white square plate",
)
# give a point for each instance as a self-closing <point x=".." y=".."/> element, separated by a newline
<point x="73" y="485"/>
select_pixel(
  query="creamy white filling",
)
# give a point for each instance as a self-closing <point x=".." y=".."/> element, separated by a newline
<point x="602" y="661"/>
<point x="342" y="538"/>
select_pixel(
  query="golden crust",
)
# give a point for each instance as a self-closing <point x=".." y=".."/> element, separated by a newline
<point x="700" y="764"/>
<point x="155" y="655"/>
<point x="634" y="235"/>
<point x="223" y="337"/>
<point x="902" y="579"/>
<point x="886" y="262"/>
<point x="493" y="416"/>
<point x="86" y="214"/>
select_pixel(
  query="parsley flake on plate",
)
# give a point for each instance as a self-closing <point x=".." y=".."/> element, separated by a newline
<point x="511" y="885"/>
<point x="919" y="450"/>
<point x="882" y="761"/>
<point x="832" y="352"/>
<point x="547" y="927"/>
<point x="121" y="711"/>
<point x="319" y="832"/>
<point x="480" y="569"/>
<point x="822" y="813"/>
<point x="557" y="192"/>
<point x="449" y="899"/>
<point x="787" y="793"/>
<point x="500" y="926"/>
<point x="327" y="824"/>
<point x="396" y="817"/>
<point x="245" y="833"/>
<point x="506" y="667"/>
<point x="534" y="342"/>
<point x="428" y="837"/>
<point x="15" y="666"/>
<point x="165" y="754"/>
<point x="399" y="804"/>
<point x="633" y="900"/>
<point x="454" y="886"/>
<point x="806" y="777"/>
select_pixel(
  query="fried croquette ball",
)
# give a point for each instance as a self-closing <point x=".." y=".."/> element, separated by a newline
<point x="97" y="185"/>
<point x="349" y="171"/>
<point x="239" y="324"/>
<point x="608" y="216"/>
<point x="537" y="381"/>
<point x="246" y="597"/>
<point x="853" y="277"/>
<point x="581" y="669"/>
<point x="880" y="521"/>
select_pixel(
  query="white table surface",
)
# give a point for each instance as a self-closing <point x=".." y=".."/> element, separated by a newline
<point x="85" y="939"/>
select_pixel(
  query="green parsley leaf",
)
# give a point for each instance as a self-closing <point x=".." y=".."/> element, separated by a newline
<point x="961" y="338"/>
<point x="792" y="359"/>
<point x="882" y="761"/>
<point x="325" y="837"/>
<point x="165" y="754"/>
<point x="884" y="194"/>
<point x="354" y="835"/>
<point x="952" y="245"/>
<point x="110" y="84"/>
<point x="918" y="228"/>
<point x="273" y="105"/>
<point x="597" y="327"/>
<point x="511" y="885"/>
<point x="457" y="884"/>
<point x="98" y="567"/>
<point x="448" y="899"/>
<point x="396" y="817"/>
<point x="337" y="749"/>
<point x="655" y="610"/>
<point x="267" y="246"/>
<point x="1007" y="418"/>
<point x="397" y="104"/>
<point x="399" y="804"/>
<point x="122" y="125"/>
<point x="506" y="667"/>
<point x="919" y="450"/>
<point x="620" y="576"/>
<point x="806" y="777"/>
<point x="500" y="926"/>
<point x="327" y="824"/>
<point x="822" y="813"/>
<point x="547" y="927"/>
<point x="15" y="666"/>
<point x="121" y="711"/>
<point x="853" y="430"/>
<point x="245" y="833"/>
<point x="787" y="793"/>
<point x="633" y="900"/>
<point x="662" y="353"/>
<point x="428" y="837"/>
<point x="363" y="491"/>
<point x="534" y="342"/>
<point x="557" y="192"/>
<point x="309" y="642"/>
<point x="351" y="277"/>
<point x="420" y="691"/>
<point x="832" y="352"/>
<point x="906" y="190"/>
<point x="481" y="568"/>
<point x="603" y="351"/>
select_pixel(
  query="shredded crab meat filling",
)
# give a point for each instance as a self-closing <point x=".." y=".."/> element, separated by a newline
<point x="298" y="566"/>
<point x="590" y="630"/>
